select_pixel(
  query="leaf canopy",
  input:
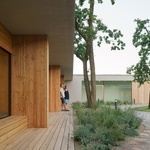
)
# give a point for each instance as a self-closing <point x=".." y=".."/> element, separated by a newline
<point x="141" y="39"/>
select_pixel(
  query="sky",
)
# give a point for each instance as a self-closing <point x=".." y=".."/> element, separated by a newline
<point x="119" y="16"/>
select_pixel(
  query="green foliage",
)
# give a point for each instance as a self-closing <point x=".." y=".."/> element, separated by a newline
<point x="99" y="31"/>
<point x="89" y="28"/>
<point x="141" y="38"/>
<point x="143" y="108"/>
<point x="103" y="127"/>
<point x="82" y="134"/>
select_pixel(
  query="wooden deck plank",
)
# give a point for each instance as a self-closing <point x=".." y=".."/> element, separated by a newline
<point x="29" y="140"/>
<point x="5" y="129"/>
<point x="18" y="145"/>
<point x="13" y="132"/>
<point x="58" y="135"/>
<point x="64" y="144"/>
<point x="35" y="144"/>
<point x="11" y="142"/>
<point x="48" y="132"/>
<point x="51" y="135"/>
<point x="10" y="120"/>
<point x="71" y="140"/>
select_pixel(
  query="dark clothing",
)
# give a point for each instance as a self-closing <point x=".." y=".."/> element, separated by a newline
<point x="62" y="100"/>
<point x="66" y="94"/>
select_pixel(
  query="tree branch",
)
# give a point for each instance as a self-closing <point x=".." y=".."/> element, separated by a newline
<point x="77" y="26"/>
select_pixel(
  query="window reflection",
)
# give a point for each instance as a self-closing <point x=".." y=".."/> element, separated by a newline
<point x="4" y="83"/>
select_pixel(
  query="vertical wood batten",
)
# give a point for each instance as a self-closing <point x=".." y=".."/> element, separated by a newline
<point x="5" y="39"/>
<point x="140" y="93"/>
<point x="54" y="84"/>
<point x="30" y="78"/>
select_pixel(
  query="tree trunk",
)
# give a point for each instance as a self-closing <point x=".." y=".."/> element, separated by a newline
<point x="93" y="80"/>
<point x="91" y="55"/>
<point x="87" y="84"/>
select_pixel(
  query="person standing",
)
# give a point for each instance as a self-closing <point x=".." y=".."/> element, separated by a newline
<point x="62" y="97"/>
<point x="66" y="95"/>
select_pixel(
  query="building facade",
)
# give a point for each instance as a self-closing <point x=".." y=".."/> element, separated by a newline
<point x="35" y="39"/>
<point x="111" y="88"/>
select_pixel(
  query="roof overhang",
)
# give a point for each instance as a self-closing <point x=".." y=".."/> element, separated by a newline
<point x="44" y="17"/>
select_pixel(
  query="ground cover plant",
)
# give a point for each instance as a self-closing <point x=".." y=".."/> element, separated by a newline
<point x="103" y="127"/>
<point x="143" y="108"/>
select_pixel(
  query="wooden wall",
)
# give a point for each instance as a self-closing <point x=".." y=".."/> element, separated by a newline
<point x="54" y="84"/>
<point x="140" y="94"/>
<point x="30" y="78"/>
<point x="5" y="39"/>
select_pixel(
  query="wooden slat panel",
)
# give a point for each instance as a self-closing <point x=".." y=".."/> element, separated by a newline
<point x="52" y="136"/>
<point x="140" y="93"/>
<point x="54" y="103"/>
<point x="11" y="124"/>
<point x="5" y="39"/>
<point x="45" y="138"/>
<point x="10" y="127"/>
<point x="58" y="135"/>
<point x="71" y="129"/>
<point x="64" y="135"/>
<point x="30" y="78"/>
<point x="146" y="92"/>
<point x="14" y="140"/>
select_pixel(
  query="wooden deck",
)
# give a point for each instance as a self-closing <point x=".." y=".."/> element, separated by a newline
<point x="58" y="136"/>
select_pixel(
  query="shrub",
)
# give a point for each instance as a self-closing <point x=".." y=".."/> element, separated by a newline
<point x="103" y="127"/>
<point x="82" y="134"/>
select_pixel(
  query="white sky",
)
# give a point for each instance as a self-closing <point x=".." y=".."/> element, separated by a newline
<point x="119" y="16"/>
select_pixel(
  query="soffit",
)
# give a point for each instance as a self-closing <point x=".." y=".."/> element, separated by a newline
<point x="44" y="17"/>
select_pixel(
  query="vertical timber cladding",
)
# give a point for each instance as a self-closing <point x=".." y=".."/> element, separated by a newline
<point x="54" y="84"/>
<point x="30" y="78"/>
<point x="5" y="39"/>
<point x="140" y="94"/>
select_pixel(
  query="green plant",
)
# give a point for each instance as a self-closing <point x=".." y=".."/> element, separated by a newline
<point x="82" y="134"/>
<point x="104" y="127"/>
<point x="143" y="108"/>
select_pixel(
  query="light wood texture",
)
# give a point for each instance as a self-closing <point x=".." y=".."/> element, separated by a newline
<point x="11" y="126"/>
<point x="58" y="135"/>
<point x="140" y="94"/>
<point x="5" y="39"/>
<point x="54" y="84"/>
<point x="30" y="79"/>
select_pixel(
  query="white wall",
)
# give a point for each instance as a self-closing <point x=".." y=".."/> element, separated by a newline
<point x="75" y="86"/>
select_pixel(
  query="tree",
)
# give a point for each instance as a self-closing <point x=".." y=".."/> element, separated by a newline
<point x="89" y="28"/>
<point x="141" y="38"/>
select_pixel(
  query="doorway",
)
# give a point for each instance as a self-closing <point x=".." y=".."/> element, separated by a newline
<point x="99" y="92"/>
<point x="5" y="83"/>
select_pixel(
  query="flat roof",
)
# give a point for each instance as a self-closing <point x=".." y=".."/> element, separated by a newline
<point x="110" y="77"/>
<point x="47" y="17"/>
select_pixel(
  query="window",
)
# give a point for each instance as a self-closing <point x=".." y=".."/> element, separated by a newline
<point x="4" y="83"/>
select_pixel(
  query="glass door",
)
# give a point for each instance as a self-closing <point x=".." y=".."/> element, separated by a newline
<point x="99" y="92"/>
<point x="4" y="83"/>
